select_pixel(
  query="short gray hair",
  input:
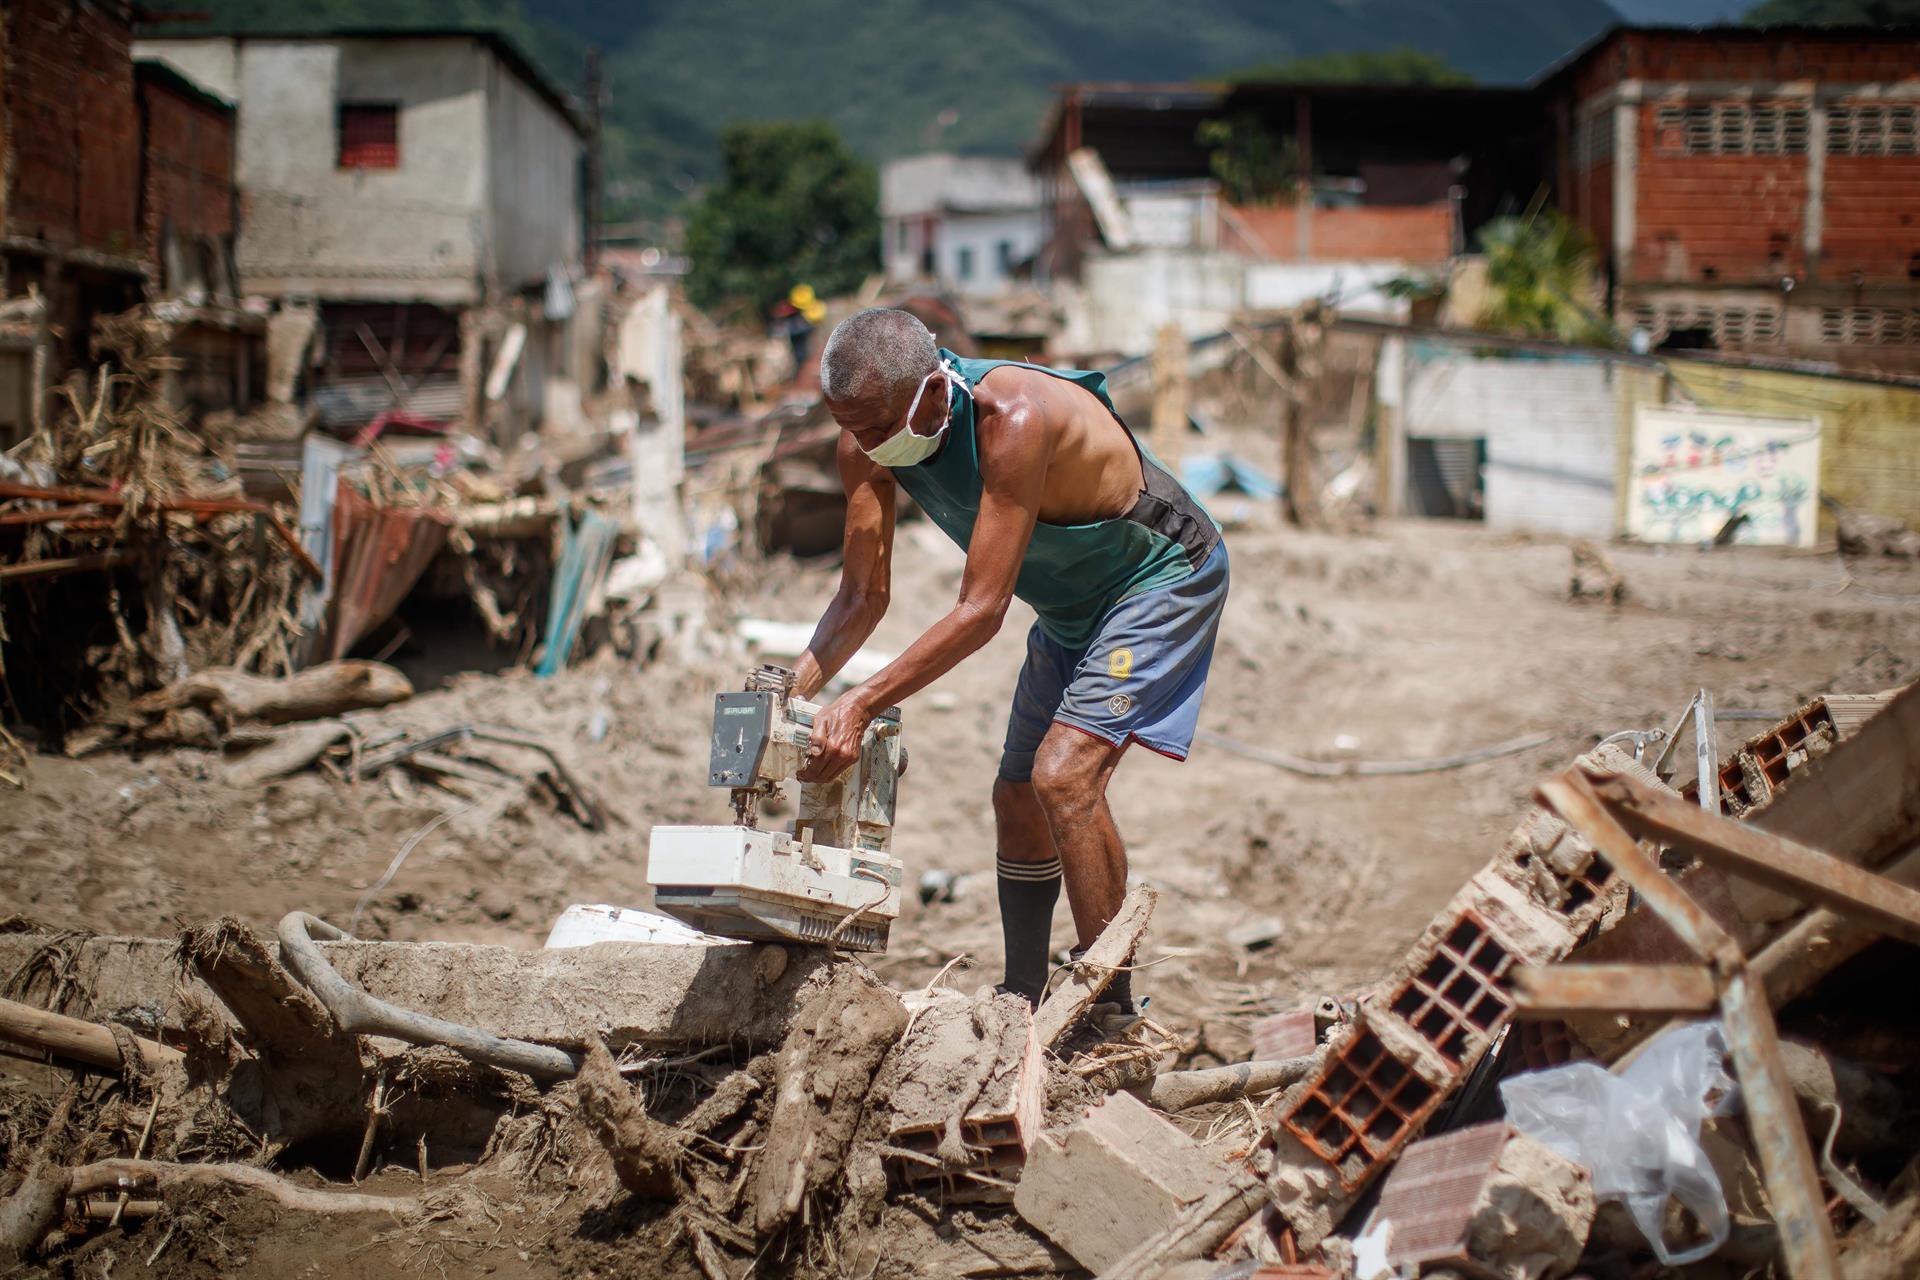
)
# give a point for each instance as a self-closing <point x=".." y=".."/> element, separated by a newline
<point x="877" y="352"/>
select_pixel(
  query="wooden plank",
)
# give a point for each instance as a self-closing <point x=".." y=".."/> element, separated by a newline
<point x="1572" y="796"/>
<point x="65" y="564"/>
<point x="1111" y="950"/>
<point x="1554" y="991"/>
<point x="1805" y="873"/>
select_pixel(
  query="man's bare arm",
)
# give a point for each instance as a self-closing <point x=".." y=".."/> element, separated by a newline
<point x="1015" y="450"/>
<point x="866" y="571"/>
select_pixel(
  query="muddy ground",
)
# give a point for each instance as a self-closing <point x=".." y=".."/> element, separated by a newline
<point x="1412" y="640"/>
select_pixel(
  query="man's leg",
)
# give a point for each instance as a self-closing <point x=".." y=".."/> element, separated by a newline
<point x="1029" y="878"/>
<point x="1027" y="863"/>
<point x="1070" y="775"/>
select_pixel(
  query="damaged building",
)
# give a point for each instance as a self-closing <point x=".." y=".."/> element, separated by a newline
<point x="414" y="217"/>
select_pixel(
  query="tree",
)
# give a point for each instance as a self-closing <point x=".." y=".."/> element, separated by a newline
<point x="1400" y="65"/>
<point x="1834" y="13"/>
<point x="1540" y="271"/>
<point x="1252" y="164"/>
<point x="793" y="206"/>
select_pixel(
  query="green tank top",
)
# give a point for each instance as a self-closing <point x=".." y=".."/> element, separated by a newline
<point x="1072" y="573"/>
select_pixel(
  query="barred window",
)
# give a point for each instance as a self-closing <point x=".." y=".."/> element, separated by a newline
<point x="1870" y="326"/>
<point x="1731" y="129"/>
<point x="1732" y="325"/>
<point x="1873" y="129"/>
<point x="368" y="134"/>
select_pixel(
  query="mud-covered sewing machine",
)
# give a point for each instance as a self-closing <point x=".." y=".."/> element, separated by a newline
<point x="744" y="881"/>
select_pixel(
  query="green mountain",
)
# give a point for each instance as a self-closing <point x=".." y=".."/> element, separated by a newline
<point x="896" y="76"/>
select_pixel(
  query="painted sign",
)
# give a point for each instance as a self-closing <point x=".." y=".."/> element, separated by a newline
<point x="1693" y="471"/>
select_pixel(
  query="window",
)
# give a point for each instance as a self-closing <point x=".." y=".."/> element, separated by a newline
<point x="1873" y="130"/>
<point x="1732" y="325"/>
<point x="900" y="236"/>
<point x="369" y="134"/>
<point x="963" y="262"/>
<point x="1860" y="326"/>
<point x="1003" y="254"/>
<point x="1731" y="129"/>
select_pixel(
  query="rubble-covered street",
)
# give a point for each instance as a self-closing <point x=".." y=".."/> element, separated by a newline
<point x="1274" y="890"/>
<point x="647" y="641"/>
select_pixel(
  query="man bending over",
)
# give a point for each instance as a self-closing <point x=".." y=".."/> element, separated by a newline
<point x="1032" y="471"/>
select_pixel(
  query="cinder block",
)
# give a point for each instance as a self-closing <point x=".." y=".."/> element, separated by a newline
<point x="1117" y="1178"/>
<point x="1488" y="1201"/>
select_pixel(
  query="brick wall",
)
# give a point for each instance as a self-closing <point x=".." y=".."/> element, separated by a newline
<point x="1727" y="218"/>
<point x="71" y="130"/>
<point x="189" y="167"/>
<point x="1411" y="233"/>
<point x="1670" y="55"/>
<point x="1872" y="218"/>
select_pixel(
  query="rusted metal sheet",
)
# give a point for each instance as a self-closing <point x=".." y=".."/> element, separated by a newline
<point x="1777" y="863"/>
<point x="1572" y="796"/>
<point x="379" y="552"/>
<point x="1553" y="991"/>
<point x="1786" y="1158"/>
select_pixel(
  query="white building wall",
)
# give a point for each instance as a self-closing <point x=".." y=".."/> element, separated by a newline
<point x="982" y="234"/>
<point x="1551" y="431"/>
<point x="533" y="167"/>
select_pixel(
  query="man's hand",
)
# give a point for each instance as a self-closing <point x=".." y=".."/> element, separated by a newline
<point x="837" y="733"/>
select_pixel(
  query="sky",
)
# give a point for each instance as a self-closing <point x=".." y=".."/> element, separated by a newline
<point x="1680" y="12"/>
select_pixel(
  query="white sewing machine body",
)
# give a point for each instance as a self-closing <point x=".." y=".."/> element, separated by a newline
<point x="744" y="881"/>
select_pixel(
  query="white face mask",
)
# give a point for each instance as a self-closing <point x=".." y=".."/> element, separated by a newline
<point x="906" y="447"/>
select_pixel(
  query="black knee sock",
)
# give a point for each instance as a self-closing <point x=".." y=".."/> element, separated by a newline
<point x="1119" y="990"/>
<point x="1028" y="892"/>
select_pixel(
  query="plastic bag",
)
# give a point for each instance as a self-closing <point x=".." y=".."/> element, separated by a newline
<point x="1638" y="1133"/>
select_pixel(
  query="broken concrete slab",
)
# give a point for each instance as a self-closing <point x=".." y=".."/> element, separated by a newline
<point x="1113" y="1181"/>
<point x="659" y="996"/>
<point x="1488" y="1200"/>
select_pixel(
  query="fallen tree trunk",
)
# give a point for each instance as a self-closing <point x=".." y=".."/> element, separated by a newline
<point x="236" y="697"/>
<point x="74" y="1038"/>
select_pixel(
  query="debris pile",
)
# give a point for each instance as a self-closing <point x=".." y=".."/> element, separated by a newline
<point x="1508" y="1101"/>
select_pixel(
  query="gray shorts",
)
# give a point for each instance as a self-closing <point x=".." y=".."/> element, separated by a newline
<point x="1140" y="680"/>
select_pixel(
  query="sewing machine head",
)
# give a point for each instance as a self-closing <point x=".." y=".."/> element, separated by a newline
<point x="744" y="881"/>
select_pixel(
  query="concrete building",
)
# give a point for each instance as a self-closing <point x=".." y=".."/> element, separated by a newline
<point x="422" y="196"/>
<point x="1752" y="189"/>
<point x="968" y="223"/>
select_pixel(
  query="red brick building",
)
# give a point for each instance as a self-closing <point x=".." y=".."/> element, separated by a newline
<point x="116" y="187"/>
<point x="69" y="162"/>
<point x="187" y="193"/>
<point x="1752" y="189"/>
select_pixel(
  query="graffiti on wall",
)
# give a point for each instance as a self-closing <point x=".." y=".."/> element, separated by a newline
<point x="1693" y="472"/>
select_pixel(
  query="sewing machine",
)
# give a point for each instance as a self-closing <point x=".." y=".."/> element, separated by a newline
<point x="830" y="878"/>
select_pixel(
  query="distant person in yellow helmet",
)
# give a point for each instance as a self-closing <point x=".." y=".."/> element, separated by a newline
<point x="796" y="318"/>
